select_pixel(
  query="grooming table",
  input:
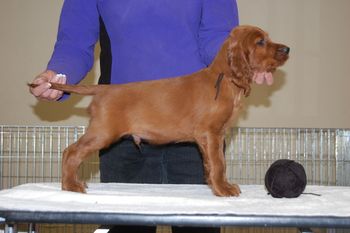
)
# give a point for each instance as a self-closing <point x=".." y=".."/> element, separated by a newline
<point x="183" y="205"/>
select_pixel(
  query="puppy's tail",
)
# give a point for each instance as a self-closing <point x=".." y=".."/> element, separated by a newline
<point x="77" y="89"/>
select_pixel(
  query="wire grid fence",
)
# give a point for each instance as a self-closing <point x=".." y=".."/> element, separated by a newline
<point x="30" y="154"/>
<point x="324" y="153"/>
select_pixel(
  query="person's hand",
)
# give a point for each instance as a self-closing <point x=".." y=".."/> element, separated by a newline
<point x="43" y="91"/>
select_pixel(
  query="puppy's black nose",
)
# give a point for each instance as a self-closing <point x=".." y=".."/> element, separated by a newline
<point x="284" y="50"/>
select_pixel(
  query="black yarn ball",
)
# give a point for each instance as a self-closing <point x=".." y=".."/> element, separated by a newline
<point x="285" y="178"/>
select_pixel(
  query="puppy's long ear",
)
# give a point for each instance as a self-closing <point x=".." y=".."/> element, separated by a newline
<point x="238" y="63"/>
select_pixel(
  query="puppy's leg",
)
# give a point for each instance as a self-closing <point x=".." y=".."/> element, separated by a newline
<point x="215" y="166"/>
<point x="92" y="141"/>
<point x="70" y="165"/>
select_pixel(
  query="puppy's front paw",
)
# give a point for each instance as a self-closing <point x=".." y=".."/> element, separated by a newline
<point x="226" y="190"/>
<point x="77" y="186"/>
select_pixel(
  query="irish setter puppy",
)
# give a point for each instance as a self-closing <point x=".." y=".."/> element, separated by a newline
<point x="198" y="107"/>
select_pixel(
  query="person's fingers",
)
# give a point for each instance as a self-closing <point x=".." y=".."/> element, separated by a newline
<point x="56" y="94"/>
<point x="62" y="80"/>
<point x="53" y="94"/>
<point x="42" y="83"/>
<point x="42" y="90"/>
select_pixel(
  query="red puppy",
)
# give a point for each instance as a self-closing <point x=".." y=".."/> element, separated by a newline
<point x="193" y="108"/>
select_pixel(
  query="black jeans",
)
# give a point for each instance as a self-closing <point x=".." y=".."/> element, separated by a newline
<point x="178" y="163"/>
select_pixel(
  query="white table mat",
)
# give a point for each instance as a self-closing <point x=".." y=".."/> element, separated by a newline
<point x="174" y="199"/>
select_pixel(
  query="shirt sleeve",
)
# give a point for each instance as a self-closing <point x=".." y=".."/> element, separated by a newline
<point x="78" y="31"/>
<point x="219" y="17"/>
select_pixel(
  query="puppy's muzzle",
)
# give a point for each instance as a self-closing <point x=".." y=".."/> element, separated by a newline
<point x="284" y="50"/>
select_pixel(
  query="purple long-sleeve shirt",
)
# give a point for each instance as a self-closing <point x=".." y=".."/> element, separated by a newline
<point x="150" y="39"/>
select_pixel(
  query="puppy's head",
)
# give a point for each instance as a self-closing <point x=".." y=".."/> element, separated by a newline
<point x="252" y="52"/>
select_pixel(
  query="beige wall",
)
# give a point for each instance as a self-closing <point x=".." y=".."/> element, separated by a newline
<point x="311" y="90"/>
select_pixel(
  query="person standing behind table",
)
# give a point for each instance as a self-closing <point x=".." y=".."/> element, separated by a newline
<point x="140" y="40"/>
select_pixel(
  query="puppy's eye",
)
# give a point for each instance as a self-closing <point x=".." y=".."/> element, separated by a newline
<point x="261" y="42"/>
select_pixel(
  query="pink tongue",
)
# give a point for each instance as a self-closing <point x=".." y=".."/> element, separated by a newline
<point x="269" y="78"/>
<point x="260" y="77"/>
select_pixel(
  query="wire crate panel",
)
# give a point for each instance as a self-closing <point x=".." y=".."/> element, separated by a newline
<point x="33" y="153"/>
<point x="324" y="153"/>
